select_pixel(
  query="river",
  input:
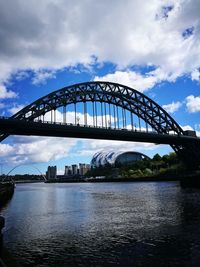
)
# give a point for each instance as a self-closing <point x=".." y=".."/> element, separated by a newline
<point x="104" y="224"/>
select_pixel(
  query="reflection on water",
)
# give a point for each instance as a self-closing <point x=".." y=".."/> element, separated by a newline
<point x="104" y="224"/>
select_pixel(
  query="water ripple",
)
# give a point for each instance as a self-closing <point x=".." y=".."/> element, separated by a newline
<point x="107" y="224"/>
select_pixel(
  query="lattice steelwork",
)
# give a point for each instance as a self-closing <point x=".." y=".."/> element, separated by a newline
<point x="106" y="100"/>
<point x="103" y="92"/>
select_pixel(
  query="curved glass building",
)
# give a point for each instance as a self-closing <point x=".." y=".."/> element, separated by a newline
<point x="116" y="158"/>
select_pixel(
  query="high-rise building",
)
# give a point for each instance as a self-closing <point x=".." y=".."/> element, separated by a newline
<point x="83" y="168"/>
<point x="51" y="173"/>
<point x="74" y="169"/>
<point x="68" y="170"/>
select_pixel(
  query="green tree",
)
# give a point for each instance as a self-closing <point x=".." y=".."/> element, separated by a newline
<point x="157" y="157"/>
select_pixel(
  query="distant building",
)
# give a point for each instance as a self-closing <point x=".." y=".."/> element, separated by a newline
<point x="74" y="169"/>
<point x="83" y="168"/>
<point x="68" y="171"/>
<point x="51" y="173"/>
<point x="116" y="158"/>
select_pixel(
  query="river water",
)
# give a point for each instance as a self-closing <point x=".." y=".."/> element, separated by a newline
<point x="104" y="224"/>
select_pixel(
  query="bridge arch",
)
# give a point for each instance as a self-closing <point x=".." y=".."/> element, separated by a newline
<point x="107" y="92"/>
<point x="15" y="167"/>
<point x="112" y="94"/>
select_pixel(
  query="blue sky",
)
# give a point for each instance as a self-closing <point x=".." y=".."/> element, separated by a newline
<point x="152" y="46"/>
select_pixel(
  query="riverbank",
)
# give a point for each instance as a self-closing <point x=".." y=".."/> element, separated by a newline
<point x="190" y="180"/>
<point x="6" y="192"/>
<point x="28" y="181"/>
<point x="8" y="259"/>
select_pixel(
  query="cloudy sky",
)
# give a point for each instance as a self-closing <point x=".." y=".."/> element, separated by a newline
<point x="152" y="46"/>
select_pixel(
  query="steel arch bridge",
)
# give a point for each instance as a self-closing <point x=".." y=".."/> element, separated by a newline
<point x="118" y="113"/>
<point x="15" y="167"/>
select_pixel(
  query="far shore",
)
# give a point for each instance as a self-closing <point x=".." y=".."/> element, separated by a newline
<point x="164" y="178"/>
<point x="28" y="181"/>
<point x="185" y="179"/>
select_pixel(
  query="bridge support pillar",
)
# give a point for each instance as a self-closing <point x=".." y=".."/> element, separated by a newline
<point x="190" y="155"/>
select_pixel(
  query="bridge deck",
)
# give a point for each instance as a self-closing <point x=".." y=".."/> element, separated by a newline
<point x="22" y="127"/>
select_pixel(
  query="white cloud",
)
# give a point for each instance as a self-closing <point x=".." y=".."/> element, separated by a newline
<point x="6" y="150"/>
<point x="70" y="118"/>
<point x="29" y="150"/>
<point x="35" y="149"/>
<point x="2" y="105"/>
<point x="197" y="126"/>
<point x="60" y="172"/>
<point x="59" y="33"/>
<point x="15" y="109"/>
<point x="187" y="127"/>
<point x="90" y="147"/>
<point x="4" y="93"/>
<point x="197" y="129"/>
<point x="171" y="108"/>
<point x="129" y="78"/>
<point x="141" y="82"/>
<point x="42" y="75"/>
<point x="21" y="75"/>
<point x="195" y="75"/>
<point x="198" y="133"/>
<point x="193" y="103"/>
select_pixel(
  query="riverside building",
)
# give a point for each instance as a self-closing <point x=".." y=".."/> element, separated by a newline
<point x="116" y="158"/>
<point x="68" y="171"/>
<point x="51" y="173"/>
<point x="83" y="168"/>
<point x="76" y="170"/>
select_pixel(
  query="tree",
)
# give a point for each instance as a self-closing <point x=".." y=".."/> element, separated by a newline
<point x="157" y="157"/>
<point x="166" y="158"/>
